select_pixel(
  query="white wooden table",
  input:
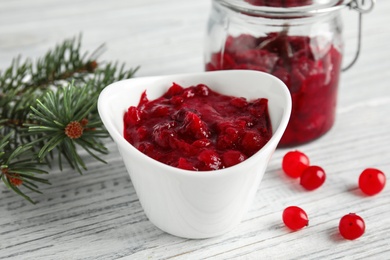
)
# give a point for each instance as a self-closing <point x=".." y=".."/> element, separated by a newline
<point x="98" y="215"/>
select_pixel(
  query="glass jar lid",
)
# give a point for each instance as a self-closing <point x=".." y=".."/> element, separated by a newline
<point x="291" y="8"/>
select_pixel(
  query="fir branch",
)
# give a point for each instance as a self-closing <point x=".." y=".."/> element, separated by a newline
<point x="62" y="122"/>
<point x="16" y="172"/>
<point x="48" y="107"/>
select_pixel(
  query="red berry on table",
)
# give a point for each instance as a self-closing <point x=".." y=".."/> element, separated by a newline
<point x="312" y="177"/>
<point x="294" y="162"/>
<point x="295" y="218"/>
<point x="372" y="181"/>
<point x="351" y="226"/>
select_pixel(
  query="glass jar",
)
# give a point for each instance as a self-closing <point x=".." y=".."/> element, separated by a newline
<point x="300" y="42"/>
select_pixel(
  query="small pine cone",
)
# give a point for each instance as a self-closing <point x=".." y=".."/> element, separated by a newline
<point x="84" y="122"/>
<point x="15" y="180"/>
<point x="74" y="130"/>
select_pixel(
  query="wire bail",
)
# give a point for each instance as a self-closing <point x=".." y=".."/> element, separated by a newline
<point x="362" y="8"/>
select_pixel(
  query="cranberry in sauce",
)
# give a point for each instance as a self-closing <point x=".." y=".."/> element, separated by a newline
<point x="198" y="129"/>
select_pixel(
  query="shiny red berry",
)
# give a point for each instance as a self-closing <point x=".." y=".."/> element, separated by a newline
<point x="294" y="162"/>
<point x="312" y="177"/>
<point x="351" y="226"/>
<point x="372" y="181"/>
<point x="295" y="218"/>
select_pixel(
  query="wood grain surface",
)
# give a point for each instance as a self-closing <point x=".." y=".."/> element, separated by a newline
<point x="98" y="216"/>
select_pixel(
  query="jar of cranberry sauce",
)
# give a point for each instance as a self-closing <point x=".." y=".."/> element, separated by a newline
<point x="298" y="41"/>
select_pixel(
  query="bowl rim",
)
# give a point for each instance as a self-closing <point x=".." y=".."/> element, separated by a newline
<point x="235" y="169"/>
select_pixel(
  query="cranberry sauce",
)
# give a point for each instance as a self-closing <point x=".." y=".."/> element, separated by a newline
<point x="198" y="129"/>
<point x="280" y="3"/>
<point x="310" y="73"/>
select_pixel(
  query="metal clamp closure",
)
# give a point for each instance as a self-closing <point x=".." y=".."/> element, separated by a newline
<point x="362" y="8"/>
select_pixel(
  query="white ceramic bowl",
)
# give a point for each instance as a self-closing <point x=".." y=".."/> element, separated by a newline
<point x="186" y="203"/>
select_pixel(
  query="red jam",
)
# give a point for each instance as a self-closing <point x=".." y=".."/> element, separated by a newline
<point x="310" y="73"/>
<point x="280" y="3"/>
<point x="198" y="129"/>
